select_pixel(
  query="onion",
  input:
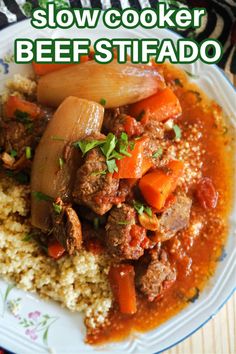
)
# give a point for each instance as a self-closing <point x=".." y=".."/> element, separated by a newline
<point x="74" y="119"/>
<point x="116" y="84"/>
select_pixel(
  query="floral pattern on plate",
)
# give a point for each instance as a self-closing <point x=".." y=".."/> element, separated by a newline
<point x="36" y="324"/>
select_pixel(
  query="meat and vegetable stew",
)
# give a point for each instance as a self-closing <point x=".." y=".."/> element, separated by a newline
<point x="130" y="161"/>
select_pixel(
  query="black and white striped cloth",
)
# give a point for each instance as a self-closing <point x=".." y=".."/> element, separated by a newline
<point x="220" y="22"/>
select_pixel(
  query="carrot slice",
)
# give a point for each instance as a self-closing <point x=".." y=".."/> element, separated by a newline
<point x="157" y="186"/>
<point x="134" y="165"/>
<point x="15" y="104"/>
<point x="161" y="106"/>
<point x="122" y="284"/>
<point x="55" y="250"/>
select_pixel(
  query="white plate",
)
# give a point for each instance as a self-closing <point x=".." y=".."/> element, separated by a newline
<point x="66" y="330"/>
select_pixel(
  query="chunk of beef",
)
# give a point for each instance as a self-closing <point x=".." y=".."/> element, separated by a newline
<point x="66" y="226"/>
<point x="156" y="278"/>
<point x="127" y="124"/>
<point x="175" y="218"/>
<point x="110" y="116"/>
<point x="124" y="238"/>
<point x="94" y="187"/>
<point x="154" y="131"/>
<point x="15" y="135"/>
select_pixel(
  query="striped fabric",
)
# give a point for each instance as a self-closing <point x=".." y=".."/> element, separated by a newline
<point x="220" y="22"/>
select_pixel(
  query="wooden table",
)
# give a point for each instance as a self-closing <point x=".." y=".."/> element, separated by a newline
<point x="218" y="336"/>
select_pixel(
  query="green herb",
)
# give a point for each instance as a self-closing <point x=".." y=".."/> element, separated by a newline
<point x="57" y="138"/>
<point x="103" y="102"/>
<point x="112" y="148"/>
<point x="124" y="144"/>
<point x="27" y="237"/>
<point x="109" y="146"/>
<point x="197" y="94"/>
<point x="111" y="165"/>
<point x="61" y="162"/>
<point x="192" y="75"/>
<point x="177" y="131"/>
<point x="57" y="208"/>
<point x="195" y="296"/>
<point x="98" y="173"/>
<point x="158" y="153"/>
<point x="178" y="82"/>
<point x="87" y="145"/>
<point x="141" y="115"/>
<point x="148" y="211"/>
<point x="41" y="196"/>
<point x="141" y="208"/>
<point x="22" y="117"/>
<point x="96" y="223"/>
<point x="123" y="222"/>
<point x="29" y="126"/>
<point x="20" y="177"/>
<point x="27" y="8"/>
<point x="28" y="152"/>
<point x="131" y="145"/>
<point x="124" y="138"/>
<point x="13" y="153"/>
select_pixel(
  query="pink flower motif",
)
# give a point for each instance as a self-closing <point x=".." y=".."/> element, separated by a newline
<point x="34" y="315"/>
<point x="31" y="333"/>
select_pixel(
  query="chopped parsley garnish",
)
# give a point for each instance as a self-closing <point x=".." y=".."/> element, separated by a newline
<point x="124" y="144"/>
<point x="20" y="177"/>
<point x="57" y="208"/>
<point x="13" y="153"/>
<point x="191" y="75"/>
<point x="178" y="82"/>
<point x="140" y="116"/>
<point x="111" y="166"/>
<point x="41" y="196"/>
<point x="197" y="94"/>
<point x="112" y="148"/>
<point x="195" y="296"/>
<point x="158" y="153"/>
<point x="103" y="101"/>
<point x="98" y="173"/>
<point x="28" y="152"/>
<point x="109" y="146"/>
<point x="141" y="208"/>
<point x="22" y="117"/>
<point x="177" y="131"/>
<point x="131" y="145"/>
<point x="96" y="223"/>
<point x="27" y="237"/>
<point x="57" y="138"/>
<point x="123" y="222"/>
<point x="87" y="145"/>
<point x="29" y="126"/>
<point x="61" y="162"/>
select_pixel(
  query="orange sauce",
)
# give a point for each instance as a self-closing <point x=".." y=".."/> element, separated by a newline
<point x="204" y="254"/>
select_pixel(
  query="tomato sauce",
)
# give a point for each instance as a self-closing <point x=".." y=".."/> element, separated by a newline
<point x="195" y="258"/>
